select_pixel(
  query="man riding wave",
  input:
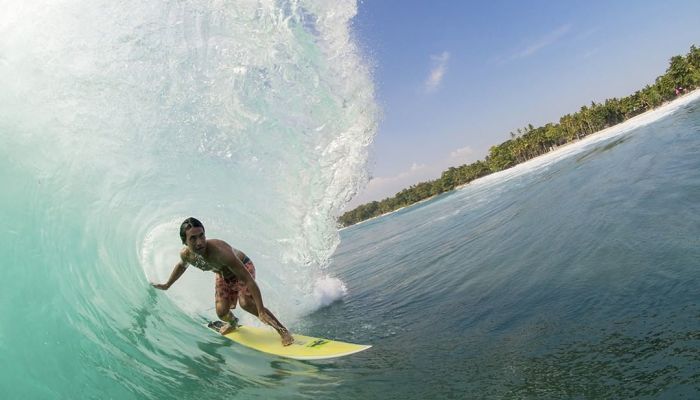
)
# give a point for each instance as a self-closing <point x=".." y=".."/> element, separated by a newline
<point x="235" y="277"/>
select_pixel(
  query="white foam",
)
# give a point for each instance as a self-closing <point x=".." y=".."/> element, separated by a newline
<point x="256" y="119"/>
<point x="328" y="290"/>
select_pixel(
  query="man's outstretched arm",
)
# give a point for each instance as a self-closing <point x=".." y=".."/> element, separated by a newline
<point x="179" y="269"/>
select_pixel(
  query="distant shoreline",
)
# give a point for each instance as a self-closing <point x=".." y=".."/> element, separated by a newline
<point x="398" y="209"/>
<point x="615" y="129"/>
<point x="677" y="85"/>
<point x="677" y="102"/>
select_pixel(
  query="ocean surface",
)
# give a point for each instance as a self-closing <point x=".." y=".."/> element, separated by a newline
<point x="575" y="275"/>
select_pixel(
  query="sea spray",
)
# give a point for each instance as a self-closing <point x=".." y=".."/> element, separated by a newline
<point x="254" y="117"/>
<point x="328" y="290"/>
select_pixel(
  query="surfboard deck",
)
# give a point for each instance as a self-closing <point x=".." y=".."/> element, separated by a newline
<point x="268" y="341"/>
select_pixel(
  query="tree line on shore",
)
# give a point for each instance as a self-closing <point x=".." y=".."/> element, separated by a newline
<point x="682" y="74"/>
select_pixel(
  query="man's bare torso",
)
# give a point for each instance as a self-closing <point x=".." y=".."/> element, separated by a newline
<point x="212" y="259"/>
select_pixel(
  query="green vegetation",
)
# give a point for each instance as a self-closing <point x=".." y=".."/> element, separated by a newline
<point x="683" y="74"/>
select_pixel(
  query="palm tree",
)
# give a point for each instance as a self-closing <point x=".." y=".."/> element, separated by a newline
<point x="680" y="72"/>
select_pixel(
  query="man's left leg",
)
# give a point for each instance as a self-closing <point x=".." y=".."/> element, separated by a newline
<point x="248" y="304"/>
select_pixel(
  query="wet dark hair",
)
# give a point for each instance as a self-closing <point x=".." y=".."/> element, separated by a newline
<point x="187" y="224"/>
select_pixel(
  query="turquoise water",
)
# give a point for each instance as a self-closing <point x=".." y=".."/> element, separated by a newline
<point x="119" y="120"/>
<point x="573" y="276"/>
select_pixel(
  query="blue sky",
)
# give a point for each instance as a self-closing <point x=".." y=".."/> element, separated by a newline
<point x="453" y="78"/>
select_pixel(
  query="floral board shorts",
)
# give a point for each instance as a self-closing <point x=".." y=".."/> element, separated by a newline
<point x="228" y="289"/>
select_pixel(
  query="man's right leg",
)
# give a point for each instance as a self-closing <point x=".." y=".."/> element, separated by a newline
<point x="224" y="303"/>
<point x="223" y="311"/>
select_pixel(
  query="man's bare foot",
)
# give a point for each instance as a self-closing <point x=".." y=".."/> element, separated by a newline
<point x="226" y="328"/>
<point x="229" y="325"/>
<point x="287" y="338"/>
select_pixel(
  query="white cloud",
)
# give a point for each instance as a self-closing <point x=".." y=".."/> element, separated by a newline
<point x="542" y="42"/>
<point x="437" y="73"/>
<point x="402" y="178"/>
<point x="417" y="167"/>
<point x="588" y="33"/>
<point x="589" y="53"/>
<point x="462" y="156"/>
<point x="380" y="188"/>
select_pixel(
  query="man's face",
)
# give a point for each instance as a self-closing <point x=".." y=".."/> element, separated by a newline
<point x="195" y="240"/>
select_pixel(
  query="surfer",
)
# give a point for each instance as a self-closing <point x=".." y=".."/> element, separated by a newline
<point x="234" y="280"/>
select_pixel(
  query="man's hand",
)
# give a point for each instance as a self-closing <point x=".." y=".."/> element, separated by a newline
<point x="161" y="286"/>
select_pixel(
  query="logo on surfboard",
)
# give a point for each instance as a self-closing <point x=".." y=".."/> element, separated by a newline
<point x="317" y="343"/>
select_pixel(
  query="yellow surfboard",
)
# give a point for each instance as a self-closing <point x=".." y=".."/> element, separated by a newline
<point x="303" y="348"/>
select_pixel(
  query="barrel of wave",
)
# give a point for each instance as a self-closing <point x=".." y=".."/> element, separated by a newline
<point x="291" y="291"/>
